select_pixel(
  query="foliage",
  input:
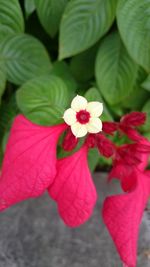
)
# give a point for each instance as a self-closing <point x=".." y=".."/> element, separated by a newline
<point x="51" y="50"/>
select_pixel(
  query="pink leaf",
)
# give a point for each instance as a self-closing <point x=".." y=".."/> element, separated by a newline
<point x="122" y="215"/>
<point x="29" y="165"/>
<point x="73" y="189"/>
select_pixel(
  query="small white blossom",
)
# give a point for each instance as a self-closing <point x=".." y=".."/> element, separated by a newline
<point x="83" y="117"/>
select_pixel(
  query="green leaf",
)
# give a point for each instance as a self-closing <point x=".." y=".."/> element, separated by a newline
<point x="137" y="96"/>
<point x="83" y="23"/>
<point x="93" y="158"/>
<point x="94" y="95"/>
<point x="25" y="57"/>
<point x="49" y="13"/>
<point x="29" y="7"/>
<point x="117" y="110"/>
<point x="115" y="70"/>
<point x="4" y="141"/>
<point x="11" y="17"/>
<point x="133" y="18"/>
<point x="8" y="111"/>
<point x="2" y="78"/>
<point x="61" y="69"/>
<point x="43" y="99"/>
<point x="146" y="83"/>
<point x="82" y="65"/>
<point x="146" y="108"/>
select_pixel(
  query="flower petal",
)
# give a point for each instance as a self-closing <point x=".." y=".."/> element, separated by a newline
<point x="94" y="125"/>
<point x="95" y="108"/>
<point x="79" y="130"/>
<point x="79" y="103"/>
<point x="122" y="215"/>
<point x="29" y="165"/>
<point x="70" y="116"/>
<point x="73" y="189"/>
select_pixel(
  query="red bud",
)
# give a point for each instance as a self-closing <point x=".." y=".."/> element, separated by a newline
<point x="70" y="141"/>
<point x="109" y="127"/>
<point x="105" y="146"/>
<point x="91" y="140"/>
<point x="133" y="119"/>
<point x="131" y="133"/>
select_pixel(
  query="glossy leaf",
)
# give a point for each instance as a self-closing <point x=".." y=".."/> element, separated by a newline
<point x="49" y="13"/>
<point x="82" y="65"/>
<point x="133" y="18"/>
<point x="29" y="7"/>
<point x="115" y="70"/>
<point x="146" y="83"/>
<point x="43" y="99"/>
<point x="25" y="57"/>
<point x="83" y="23"/>
<point x="11" y="17"/>
<point x="61" y="69"/>
<point x="137" y="96"/>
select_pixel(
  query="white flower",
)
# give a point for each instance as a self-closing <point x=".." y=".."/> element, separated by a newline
<point x="83" y="117"/>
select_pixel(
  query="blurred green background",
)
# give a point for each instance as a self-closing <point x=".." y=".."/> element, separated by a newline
<point x="52" y="50"/>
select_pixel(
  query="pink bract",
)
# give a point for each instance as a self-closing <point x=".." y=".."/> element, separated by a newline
<point x="122" y="215"/>
<point x="73" y="188"/>
<point x="29" y="165"/>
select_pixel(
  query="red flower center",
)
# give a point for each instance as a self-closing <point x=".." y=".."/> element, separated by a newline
<point x="83" y="116"/>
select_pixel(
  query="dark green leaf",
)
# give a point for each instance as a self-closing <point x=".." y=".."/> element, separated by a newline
<point x="11" y="17"/>
<point x="29" y="7"/>
<point x="43" y="99"/>
<point x="2" y="78"/>
<point x="25" y="57"/>
<point x="82" y="65"/>
<point x="146" y="83"/>
<point x="4" y="141"/>
<point x="137" y="96"/>
<point x="115" y="70"/>
<point x="49" y="13"/>
<point x="133" y="18"/>
<point x="93" y="158"/>
<point x="61" y="69"/>
<point x="8" y="111"/>
<point x="83" y="23"/>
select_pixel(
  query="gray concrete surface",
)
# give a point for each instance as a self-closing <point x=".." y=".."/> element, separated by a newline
<point x="32" y="235"/>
